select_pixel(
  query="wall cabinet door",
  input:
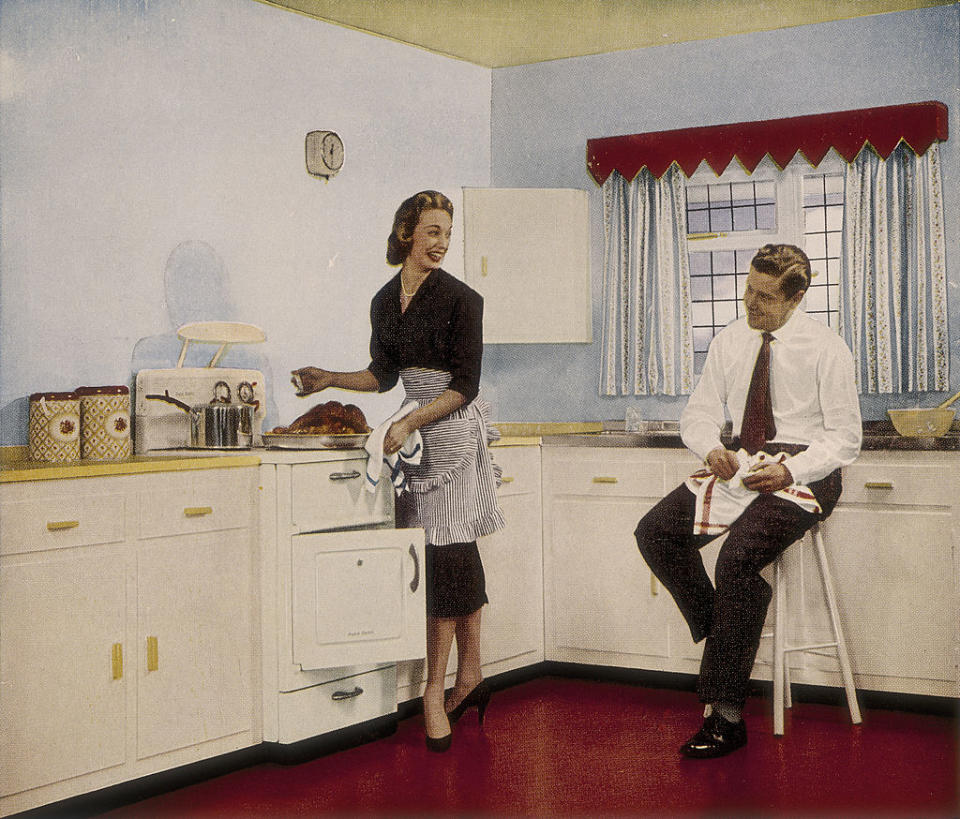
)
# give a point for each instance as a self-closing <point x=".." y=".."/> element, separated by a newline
<point x="527" y="252"/>
<point x="358" y="597"/>
<point x="194" y="640"/>
<point x="63" y="681"/>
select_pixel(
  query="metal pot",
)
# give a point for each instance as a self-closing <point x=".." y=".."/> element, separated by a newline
<point x="219" y="424"/>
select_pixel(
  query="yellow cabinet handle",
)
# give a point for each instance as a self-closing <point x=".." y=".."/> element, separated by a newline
<point x="604" y="479"/>
<point x="483" y="266"/>
<point x="57" y="525"/>
<point x="198" y="511"/>
<point x="654" y="585"/>
<point x="506" y="479"/>
<point x="878" y="485"/>
<point x="116" y="660"/>
<point x="153" y="654"/>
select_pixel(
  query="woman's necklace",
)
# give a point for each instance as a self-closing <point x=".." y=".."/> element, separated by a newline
<point x="406" y="297"/>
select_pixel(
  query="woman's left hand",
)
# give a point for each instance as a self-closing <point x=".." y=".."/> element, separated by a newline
<point x="396" y="435"/>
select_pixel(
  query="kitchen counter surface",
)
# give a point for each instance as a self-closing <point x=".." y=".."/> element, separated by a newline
<point x="877" y="436"/>
<point x="15" y="467"/>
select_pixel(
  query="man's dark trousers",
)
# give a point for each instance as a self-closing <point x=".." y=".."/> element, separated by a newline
<point x="731" y="615"/>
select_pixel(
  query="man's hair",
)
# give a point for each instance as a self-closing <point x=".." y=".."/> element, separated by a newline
<point x="405" y="222"/>
<point x="788" y="263"/>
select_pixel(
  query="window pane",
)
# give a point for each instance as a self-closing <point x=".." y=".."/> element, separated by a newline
<point x="834" y="186"/>
<point x="699" y="359"/>
<point x="812" y="190"/>
<point x="725" y="312"/>
<point x="723" y="261"/>
<point x="700" y="289"/>
<point x="720" y="195"/>
<point x="816" y="299"/>
<point x="742" y="192"/>
<point x="835" y="217"/>
<point x="699" y="264"/>
<point x="721" y="221"/>
<point x="744" y="218"/>
<point x="702" y="336"/>
<point x="725" y="287"/>
<point x="698" y="221"/>
<point x="814" y="220"/>
<point x="834" y="245"/>
<point x="697" y="197"/>
<point x="744" y="257"/>
<point x="766" y="217"/>
<point x="702" y="313"/>
<point x="816" y="246"/>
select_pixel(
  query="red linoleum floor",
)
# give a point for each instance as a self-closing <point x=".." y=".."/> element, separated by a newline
<point x="561" y="747"/>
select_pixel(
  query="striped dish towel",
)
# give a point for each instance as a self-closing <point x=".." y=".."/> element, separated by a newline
<point x="720" y="503"/>
<point x="411" y="452"/>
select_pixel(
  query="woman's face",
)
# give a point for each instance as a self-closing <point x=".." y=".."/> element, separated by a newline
<point x="431" y="238"/>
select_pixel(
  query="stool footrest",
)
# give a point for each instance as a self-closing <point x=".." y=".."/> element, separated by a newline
<point x="811" y="647"/>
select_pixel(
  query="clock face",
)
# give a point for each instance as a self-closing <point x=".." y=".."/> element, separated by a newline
<point x="324" y="153"/>
<point x="332" y="149"/>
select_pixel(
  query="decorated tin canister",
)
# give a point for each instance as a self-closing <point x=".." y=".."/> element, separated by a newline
<point x="104" y="423"/>
<point x="54" y="426"/>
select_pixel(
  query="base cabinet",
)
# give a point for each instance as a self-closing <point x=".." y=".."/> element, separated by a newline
<point x="892" y="545"/>
<point x="124" y="649"/>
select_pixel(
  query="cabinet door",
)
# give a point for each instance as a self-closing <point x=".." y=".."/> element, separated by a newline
<point x="513" y="562"/>
<point x="527" y="252"/>
<point x="358" y="597"/>
<point x="195" y="640"/>
<point x="897" y="598"/>
<point x="62" y="680"/>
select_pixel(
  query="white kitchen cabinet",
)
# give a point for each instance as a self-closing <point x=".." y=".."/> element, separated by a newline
<point x="127" y="639"/>
<point x="892" y="545"/>
<point x="527" y="252"/>
<point x="511" y="631"/>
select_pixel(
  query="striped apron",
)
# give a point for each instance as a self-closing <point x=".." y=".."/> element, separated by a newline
<point x="453" y="488"/>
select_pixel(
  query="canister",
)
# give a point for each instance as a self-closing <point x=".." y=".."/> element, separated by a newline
<point x="104" y="423"/>
<point x="54" y="426"/>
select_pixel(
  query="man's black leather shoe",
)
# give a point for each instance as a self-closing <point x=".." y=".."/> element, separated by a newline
<point x="717" y="737"/>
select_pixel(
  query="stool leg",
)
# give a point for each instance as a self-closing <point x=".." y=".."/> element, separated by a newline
<point x="842" y="655"/>
<point x="779" y="643"/>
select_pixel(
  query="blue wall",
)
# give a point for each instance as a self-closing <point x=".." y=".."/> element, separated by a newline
<point x="543" y="115"/>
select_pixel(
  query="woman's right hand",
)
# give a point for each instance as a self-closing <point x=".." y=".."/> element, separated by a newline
<point x="308" y="380"/>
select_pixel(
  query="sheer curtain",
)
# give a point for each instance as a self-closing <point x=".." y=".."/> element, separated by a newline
<point x="647" y="336"/>
<point x="893" y="310"/>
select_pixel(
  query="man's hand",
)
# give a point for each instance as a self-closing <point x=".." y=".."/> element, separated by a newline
<point x="723" y="463"/>
<point x="770" y="478"/>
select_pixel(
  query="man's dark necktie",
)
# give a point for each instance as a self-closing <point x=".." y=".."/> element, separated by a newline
<point x="758" y="425"/>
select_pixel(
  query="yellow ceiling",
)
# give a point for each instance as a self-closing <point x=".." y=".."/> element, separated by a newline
<point x="499" y="33"/>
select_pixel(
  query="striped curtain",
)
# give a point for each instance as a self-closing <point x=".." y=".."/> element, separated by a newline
<point x="647" y="335"/>
<point x="893" y="305"/>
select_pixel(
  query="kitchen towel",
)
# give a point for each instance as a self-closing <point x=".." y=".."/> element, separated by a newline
<point x="720" y="503"/>
<point x="411" y="452"/>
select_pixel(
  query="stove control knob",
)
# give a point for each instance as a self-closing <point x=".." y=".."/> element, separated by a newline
<point x="245" y="392"/>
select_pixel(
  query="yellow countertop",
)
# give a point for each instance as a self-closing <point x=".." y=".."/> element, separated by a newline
<point x="15" y="465"/>
<point x="537" y="429"/>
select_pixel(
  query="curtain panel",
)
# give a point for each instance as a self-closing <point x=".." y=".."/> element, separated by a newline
<point x="647" y="334"/>
<point x="893" y="306"/>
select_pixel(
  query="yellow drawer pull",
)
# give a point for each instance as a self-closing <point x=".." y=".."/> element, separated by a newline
<point x="483" y="266"/>
<point x="58" y="525"/>
<point x="506" y="479"/>
<point x="604" y="479"/>
<point x="878" y="485"/>
<point x="153" y="654"/>
<point x="654" y="585"/>
<point x="198" y="511"/>
<point x="116" y="660"/>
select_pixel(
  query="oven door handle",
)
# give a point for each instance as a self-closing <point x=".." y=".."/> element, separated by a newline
<point x="344" y="476"/>
<point x="415" y="583"/>
<point x="338" y="696"/>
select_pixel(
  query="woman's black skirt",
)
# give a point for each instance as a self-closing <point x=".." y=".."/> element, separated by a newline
<point x="456" y="585"/>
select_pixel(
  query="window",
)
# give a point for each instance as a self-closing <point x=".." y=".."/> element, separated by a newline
<point x="729" y="217"/>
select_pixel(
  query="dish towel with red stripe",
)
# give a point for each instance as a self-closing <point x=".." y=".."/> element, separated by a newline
<point x="720" y="503"/>
<point x="411" y="452"/>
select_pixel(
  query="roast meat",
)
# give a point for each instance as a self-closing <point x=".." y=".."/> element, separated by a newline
<point x="330" y="418"/>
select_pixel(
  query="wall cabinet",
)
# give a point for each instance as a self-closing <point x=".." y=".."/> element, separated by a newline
<point x="127" y="628"/>
<point x="527" y="252"/>
<point x="892" y="544"/>
<point x="512" y="624"/>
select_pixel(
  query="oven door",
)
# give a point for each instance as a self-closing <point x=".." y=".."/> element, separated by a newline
<point x="358" y="597"/>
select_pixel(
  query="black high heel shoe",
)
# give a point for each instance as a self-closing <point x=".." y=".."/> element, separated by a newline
<point x="480" y="697"/>
<point x="439" y="744"/>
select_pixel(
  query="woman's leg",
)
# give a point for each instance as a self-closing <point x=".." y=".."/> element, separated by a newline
<point x="469" y="674"/>
<point x="440" y="633"/>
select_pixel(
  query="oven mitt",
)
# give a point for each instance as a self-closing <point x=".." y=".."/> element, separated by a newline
<point x="410" y="452"/>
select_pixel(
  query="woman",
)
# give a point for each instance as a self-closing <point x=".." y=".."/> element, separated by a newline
<point x="428" y="331"/>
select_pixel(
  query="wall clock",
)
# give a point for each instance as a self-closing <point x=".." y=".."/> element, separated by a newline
<point x="324" y="153"/>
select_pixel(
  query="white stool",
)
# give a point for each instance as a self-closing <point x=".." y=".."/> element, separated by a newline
<point x="781" y="650"/>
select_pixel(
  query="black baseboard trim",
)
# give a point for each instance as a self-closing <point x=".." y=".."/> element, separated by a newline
<point x="125" y="793"/>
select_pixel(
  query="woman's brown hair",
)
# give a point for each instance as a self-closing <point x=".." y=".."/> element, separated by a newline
<point x="405" y="222"/>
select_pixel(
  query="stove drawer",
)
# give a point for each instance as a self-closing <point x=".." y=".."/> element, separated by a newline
<point x="333" y="495"/>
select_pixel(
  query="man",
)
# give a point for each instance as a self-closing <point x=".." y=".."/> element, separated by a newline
<point x="787" y="382"/>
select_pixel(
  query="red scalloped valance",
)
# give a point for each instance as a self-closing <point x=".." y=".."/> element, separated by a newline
<point x="917" y="124"/>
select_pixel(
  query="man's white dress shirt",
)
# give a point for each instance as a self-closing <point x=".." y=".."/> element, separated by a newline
<point x="812" y="388"/>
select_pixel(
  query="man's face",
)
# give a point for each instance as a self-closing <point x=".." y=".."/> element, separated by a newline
<point x="767" y="309"/>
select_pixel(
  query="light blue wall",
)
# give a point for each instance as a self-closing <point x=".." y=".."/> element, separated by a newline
<point x="544" y="114"/>
<point x="152" y="172"/>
